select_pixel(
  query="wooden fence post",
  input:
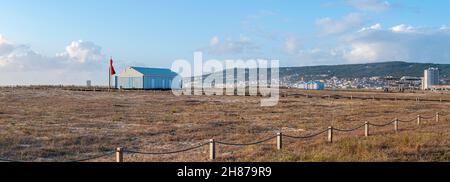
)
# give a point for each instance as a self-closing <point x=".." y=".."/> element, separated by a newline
<point x="366" y="129"/>
<point x="119" y="154"/>
<point x="396" y="125"/>
<point x="351" y="97"/>
<point x="437" y="117"/>
<point x="212" y="150"/>
<point x="279" y="141"/>
<point x="330" y="134"/>
<point x="418" y="119"/>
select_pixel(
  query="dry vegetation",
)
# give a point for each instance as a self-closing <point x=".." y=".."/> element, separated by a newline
<point x="60" y="125"/>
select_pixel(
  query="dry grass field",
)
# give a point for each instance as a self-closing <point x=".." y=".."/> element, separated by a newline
<point x="62" y="125"/>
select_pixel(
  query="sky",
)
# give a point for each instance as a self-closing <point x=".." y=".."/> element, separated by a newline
<point x="71" y="41"/>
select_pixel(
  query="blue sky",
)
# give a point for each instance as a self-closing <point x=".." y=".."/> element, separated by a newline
<point x="81" y="34"/>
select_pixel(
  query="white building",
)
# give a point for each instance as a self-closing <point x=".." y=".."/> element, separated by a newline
<point x="431" y="78"/>
<point x="147" y="79"/>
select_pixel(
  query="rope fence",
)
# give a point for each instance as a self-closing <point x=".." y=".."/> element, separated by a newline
<point x="247" y="144"/>
<point x="10" y="160"/>
<point x="93" y="157"/>
<point x="432" y="117"/>
<point x="71" y="161"/>
<point x="373" y="98"/>
<point x="167" y="153"/>
<point x="307" y="136"/>
<point x="407" y="121"/>
<point x="349" y="130"/>
<point x="382" y="125"/>
<point x="279" y="140"/>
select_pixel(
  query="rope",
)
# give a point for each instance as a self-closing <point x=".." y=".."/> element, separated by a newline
<point x="427" y="117"/>
<point x="307" y="136"/>
<point x="367" y="98"/>
<point x="349" y="130"/>
<point x="165" y="153"/>
<point x="382" y="125"/>
<point x="10" y="160"/>
<point x="93" y="157"/>
<point x="79" y="160"/>
<point x="246" y="144"/>
<point x="407" y="121"/>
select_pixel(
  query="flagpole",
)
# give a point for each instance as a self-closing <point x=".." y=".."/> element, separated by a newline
<point x="109" y="76"/>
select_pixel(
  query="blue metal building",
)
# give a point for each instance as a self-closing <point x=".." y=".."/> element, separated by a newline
<point x="314" y="85"/>
<point x="147" y="79"/>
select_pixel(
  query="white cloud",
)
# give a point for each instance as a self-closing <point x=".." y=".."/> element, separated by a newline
<point x="399" y="43"/>
<point x="18" y="57"/>
<point x="329" y="26"/>
<point x="444" y="28"/>
<point x="5" y="46"/>
<point x="230" y="46"/>
<point x="82" y="51"/>
<point x="81" y="61"/>
<point x="377" y="44"/>
<point x="214" y="41"/>
<point x="370" y="5"/>
<point x="362" y="52"/>
<point x="402" y="28"/>
<point x="373" y="27"/>
<point x="291" y="45"/>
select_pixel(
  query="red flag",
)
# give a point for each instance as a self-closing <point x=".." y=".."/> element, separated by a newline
<point x="111" y="67"/>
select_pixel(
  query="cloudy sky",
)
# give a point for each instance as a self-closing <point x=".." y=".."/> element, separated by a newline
<point x="69" y="42"/>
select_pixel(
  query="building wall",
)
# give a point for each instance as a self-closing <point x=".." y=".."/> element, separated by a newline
<point x="146" y="82"/>
<point x="155" y="82"/>
<point x="130" y="82"/>
<point x="160" y="82"/>
<point x="431" y="77"/>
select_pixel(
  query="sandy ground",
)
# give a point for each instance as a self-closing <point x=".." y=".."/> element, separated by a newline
<point x="61" y="125"/>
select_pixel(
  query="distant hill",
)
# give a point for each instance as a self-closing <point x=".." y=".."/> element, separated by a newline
<point x="395" y="69"/>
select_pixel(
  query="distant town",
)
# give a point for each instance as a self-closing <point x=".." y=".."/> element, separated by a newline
<point x="431" y="80"/>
